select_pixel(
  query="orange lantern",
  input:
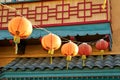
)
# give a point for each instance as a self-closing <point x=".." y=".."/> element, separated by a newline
<point x="51" y="42"/>
<point x="102" y="45"/>
<point x="19" y="27"/>
<point x="69" y="49"/>
<point x="84" y="49"/>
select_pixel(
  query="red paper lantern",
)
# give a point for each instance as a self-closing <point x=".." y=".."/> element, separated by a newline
<point x="69" y="49"/>
<point x="51" y="42"/>
<point x="19" y="27"/>
<point x="84" y="49"/>
<point x="102" y="45"/>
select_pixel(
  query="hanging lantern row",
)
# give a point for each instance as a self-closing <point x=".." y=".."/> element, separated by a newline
<point x="70" y="49"/>
<point x="21" y="28"/>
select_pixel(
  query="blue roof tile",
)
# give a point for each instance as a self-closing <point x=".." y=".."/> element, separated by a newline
<point x="60" y="63"/>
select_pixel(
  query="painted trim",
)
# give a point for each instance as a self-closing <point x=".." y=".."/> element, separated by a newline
<point x="63" y="73"/>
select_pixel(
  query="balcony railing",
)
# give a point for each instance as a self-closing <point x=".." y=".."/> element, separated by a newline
<point x="61" y="12"/>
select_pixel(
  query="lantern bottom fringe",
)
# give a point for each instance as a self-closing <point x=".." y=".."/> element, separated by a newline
<point x="16" y="48"/>
<point x="50" y="59"/>
<point x="68" y="59"/>
<point x="16" y="41"/>
<point x="67" y="66"/>
<point x="102" y="52"/>
<point x="83" y="60"/>
<point x="102" y="57"/>
<point x="51" y="51"/>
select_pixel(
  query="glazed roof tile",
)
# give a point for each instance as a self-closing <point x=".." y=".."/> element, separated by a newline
<point x="60" y="63"/>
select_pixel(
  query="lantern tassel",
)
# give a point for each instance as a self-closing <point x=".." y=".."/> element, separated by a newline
<point x="51" y="52"/>
<point x="83" y="60"/>
<point x="16" y="48"/>
<point x="67" y="64"/>
<point x="68" y="61"/>
<point x="50" y="59"/>
<point x="102" y="52"/>
<point x="16" y="41"/>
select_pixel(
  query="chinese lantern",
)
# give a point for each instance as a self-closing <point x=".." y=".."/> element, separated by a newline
<point x="20" y="28"/>
<point x="51" y="42"/>
<point x="102" y="45"/>
<point x="69" y="49"/>
<point x="84" y="50"/>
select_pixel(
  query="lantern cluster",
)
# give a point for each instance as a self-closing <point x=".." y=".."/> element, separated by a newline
<point x="70" y="49"/>
<point x="21" y="28"/>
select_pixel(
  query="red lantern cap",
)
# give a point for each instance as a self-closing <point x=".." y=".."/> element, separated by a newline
<point x="11" y="41"/>
<point x="85" y="49"/>
<point x="72" y="38"/>
<point x="102" y="44"/>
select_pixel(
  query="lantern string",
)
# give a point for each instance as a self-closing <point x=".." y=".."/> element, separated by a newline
<point x="67" y="40"/>
<point x="11" y="8"/>
<point x="44" y="30"/>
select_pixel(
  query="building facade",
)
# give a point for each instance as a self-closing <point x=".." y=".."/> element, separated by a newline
<point x="79" y="21"/>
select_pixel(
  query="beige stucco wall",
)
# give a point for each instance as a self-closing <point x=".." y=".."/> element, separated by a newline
<point x="116" y="24"/>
